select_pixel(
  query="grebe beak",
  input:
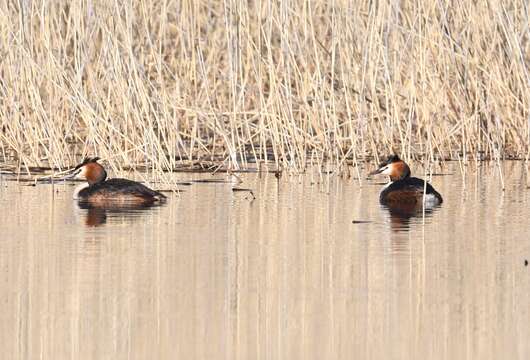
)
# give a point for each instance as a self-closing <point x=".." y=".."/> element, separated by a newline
<point x="379" y="171"/>
<point x="73" y="175"/>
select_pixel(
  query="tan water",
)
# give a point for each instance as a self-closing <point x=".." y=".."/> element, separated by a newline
<point x="214" y="274"/>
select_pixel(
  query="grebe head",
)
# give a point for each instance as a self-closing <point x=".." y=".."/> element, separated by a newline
<point x="394" y="167"/>
<point x="91" y="171"/>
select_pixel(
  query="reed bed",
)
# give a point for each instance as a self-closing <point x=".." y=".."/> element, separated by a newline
<point x="230" y="84"/>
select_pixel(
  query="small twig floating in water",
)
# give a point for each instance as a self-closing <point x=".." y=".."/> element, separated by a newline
<point x="361" y="221"/>
<point x="241" y="189"/>
<point x="212" y="181"/>
<point x="171" y="191"/>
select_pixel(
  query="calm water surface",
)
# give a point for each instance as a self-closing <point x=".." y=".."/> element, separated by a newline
<point x="313" y="268"/>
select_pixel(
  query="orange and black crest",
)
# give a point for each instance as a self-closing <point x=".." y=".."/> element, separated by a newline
<point x="87" y="160"/>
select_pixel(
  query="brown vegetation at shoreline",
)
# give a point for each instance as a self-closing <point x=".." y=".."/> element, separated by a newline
<point x="167" y="84"/>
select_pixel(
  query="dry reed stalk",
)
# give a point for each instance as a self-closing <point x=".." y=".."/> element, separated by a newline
<point x="172" y="84"/>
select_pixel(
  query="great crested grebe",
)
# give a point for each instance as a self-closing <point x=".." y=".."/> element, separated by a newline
<point x="404" y="189"/>
<point x="100" y="191"/>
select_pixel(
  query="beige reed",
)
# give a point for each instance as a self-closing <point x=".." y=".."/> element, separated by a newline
<point x="172" y="84"/>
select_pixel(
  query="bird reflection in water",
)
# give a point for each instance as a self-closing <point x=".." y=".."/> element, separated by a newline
<point x="96" y="215"/>
<point x="402" y="214"/>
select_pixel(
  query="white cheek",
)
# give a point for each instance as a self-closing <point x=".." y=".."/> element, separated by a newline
<point x="82" y="174"/>
<point x="77" y="189"/>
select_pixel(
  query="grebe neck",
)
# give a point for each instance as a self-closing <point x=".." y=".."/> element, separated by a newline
<point x="77" y="189"/>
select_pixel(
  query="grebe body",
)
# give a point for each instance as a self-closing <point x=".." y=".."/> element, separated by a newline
<point x="404" y="189"/>
<point x="100" y="191"/>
